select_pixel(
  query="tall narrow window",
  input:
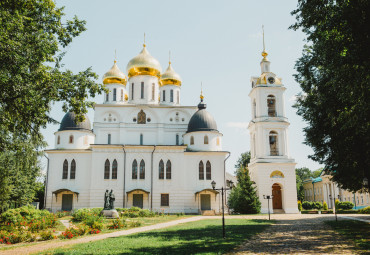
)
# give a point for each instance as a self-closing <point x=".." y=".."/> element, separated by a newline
<point x="134" y="169"/>
<point x="171" y="95"/>
<point x="254" y="108"/>
<point x="165" y="200"/>
<point x="208" y="171"/>
<point x="109" y="138"/>
<point x="218" y="141"/>
<point x="132" y="91"/>
<point x="178" y="97"/>
<point x="153" y="91"/>
<point x="168" y="170"/>
<point x="58" y="140"/>
<point x="161" y="170"/>
<point x="164" y="95"/>
<point x="86" y="140"/>
<point x="121" y="94"/>
<point x="114" y="94"/>
<point x="274" y="151"/>
<point x="205" y="139"/>
<point x="73" y="170"/>
<point x="65" y="169"/>
<point x="177" y="139"/>
<point x="201" y="170"/>
<point x="107" y="97"/>
<point x="142" y="90"/>
<point x="191" y="140"/>
<point x="271" y="105"/>
<point x="141" y="139"/>
<point x="71" y="139"/>
<point x="142" y="169"/>
<point x="106" y="169"/>
<point x="114" y="169"/>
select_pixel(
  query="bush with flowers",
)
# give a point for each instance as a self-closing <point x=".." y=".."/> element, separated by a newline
<point x="117" y="224"/>
<point x="47" y="235"/>
<point x="94" y="231"/>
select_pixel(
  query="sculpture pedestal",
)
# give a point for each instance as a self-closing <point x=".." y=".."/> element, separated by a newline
<point x="110" y="214"/>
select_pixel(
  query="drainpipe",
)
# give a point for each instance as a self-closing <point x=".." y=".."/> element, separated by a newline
<point x="124" y="176"/>
<point x="46" y="183"/>
<point x="225" y="175"/>
<point x="151" y="182"/>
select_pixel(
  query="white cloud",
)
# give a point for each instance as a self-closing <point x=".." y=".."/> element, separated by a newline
<point x="243" y="125"/>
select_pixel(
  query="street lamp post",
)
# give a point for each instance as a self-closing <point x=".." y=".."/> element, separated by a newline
<point x="222" y="189"/>
<point x="268" y="197"/>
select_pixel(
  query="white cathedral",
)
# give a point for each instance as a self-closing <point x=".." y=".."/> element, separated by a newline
<point x="156" y="154"/>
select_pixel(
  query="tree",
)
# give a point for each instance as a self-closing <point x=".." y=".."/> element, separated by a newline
<point x="33" y="34"/>
<point x="333" y="73"/>
<point x="243" y="197"/>
<point x="301" y="175"/>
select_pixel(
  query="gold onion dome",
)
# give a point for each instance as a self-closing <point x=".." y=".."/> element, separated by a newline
<point x="114" y="75"/>
<point x="170" y="77"/>
<point x="144" y="64"/>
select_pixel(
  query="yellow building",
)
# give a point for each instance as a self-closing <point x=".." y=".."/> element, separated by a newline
<point x="322" y="189"/>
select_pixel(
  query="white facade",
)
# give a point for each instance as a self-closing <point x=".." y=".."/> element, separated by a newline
<point x="271" y="167"/>
<point x="138" y="148"/>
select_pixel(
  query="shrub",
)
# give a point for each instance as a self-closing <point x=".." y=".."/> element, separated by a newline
<point x="307" y="205"/>
<point x="325" y="206"/>
<point x="365" y="210"/>
<point x="146" y="213"/>
<point x="47" y="235"/>
<point x="94" y="231"/>
<point x="317" y="205"/>
<point x="84" y="213"/>
<point x="117" y="224"/>
<point x="67" y="234"/>
<point x="350" y="211"/>
<point x="135" y="209"/>
<point x="299" y="205"/>
<point x="61" y="214"/>
<point x="97" y="225"/>
<point x="134" y="224"/>
<point x="91" y="219"/>
<point x="336" y="204"/>
<point x="346" y="205"/>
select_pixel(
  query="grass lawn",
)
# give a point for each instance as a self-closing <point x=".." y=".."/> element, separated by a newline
<point x="356" y="230"/>
<point x="200" y="237"/>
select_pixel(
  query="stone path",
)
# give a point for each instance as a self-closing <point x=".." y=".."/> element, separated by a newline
<point x="65" y="223"/>
<point x="297" y="234"/>
<point x="301" y="234"/>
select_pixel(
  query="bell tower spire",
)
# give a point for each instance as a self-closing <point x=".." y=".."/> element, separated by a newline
<point x="265" y="64"/>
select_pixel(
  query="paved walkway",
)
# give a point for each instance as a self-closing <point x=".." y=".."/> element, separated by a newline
<point x="293" y="233"/>
<point x="300" y="234"/>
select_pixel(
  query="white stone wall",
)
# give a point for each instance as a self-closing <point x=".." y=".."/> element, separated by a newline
<point x="214" y="141"/>
<point x="148" y="80"/>
<point x="81" y="139"/>
<point x="120" y="88"/>
<point x="166" y="100"/>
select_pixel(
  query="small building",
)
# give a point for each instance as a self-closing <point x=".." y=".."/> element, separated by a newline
<point x="322" y="189"/>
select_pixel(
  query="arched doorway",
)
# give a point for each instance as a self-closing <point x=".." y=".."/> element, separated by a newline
<point x="277" y="199"/>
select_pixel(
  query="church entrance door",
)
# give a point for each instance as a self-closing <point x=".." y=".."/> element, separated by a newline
<point x="67" y="200"/>
<point x="137" y="200"/>
<point x="205" y="202"/>
<point x="276" y="200"/>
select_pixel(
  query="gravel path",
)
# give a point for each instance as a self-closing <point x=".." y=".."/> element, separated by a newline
<point x="302" y="234"/>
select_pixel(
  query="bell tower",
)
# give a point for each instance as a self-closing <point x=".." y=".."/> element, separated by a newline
<point x="271" y="167"/>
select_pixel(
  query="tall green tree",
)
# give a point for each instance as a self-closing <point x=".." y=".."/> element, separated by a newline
<point x="33" y="37"/>
<point x="333" y="73"/>
<point x="243" y="197"/>
<point x="301" y="175"/>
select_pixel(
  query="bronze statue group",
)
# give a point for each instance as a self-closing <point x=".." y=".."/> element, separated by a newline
<point x="109" y="200"/>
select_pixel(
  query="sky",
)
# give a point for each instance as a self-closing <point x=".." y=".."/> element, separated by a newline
<point x="218" y="43"/>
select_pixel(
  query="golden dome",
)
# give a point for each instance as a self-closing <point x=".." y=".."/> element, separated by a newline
<point x="170" y="77"/>
<point x="114" y="75"/>
<point x="144" y="64"/>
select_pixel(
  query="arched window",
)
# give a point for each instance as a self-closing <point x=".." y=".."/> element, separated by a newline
<point x="205" y="139"/>
<point x="218" y="141"/>
<point x="153" y="91"/>
<point x="178" y="97"/>
<point x="141" y="139"/>
<point x="273" y="139"/>
<point x="208" y="171"/>
<point x="107" y="97"/>
<point x="201" y="170"/>
<point x="171" y="95"/>
<point x="109" y="138"/>
<point x="142" y="90"/>
<point x="73" y="170"/>
<point x="121" y="94"/>
<point x="106" y="169"/>
<point x="191" y="140"/>
<point x="114" y="169"/>
<point x="271" y="105"/>
<point x="161" y="170"/>
<point x="142" y="169"/>
<point x="71" y="139"/>
<point x="132" y="91"/>
<point x="58" y="139"/>
<point x="65" y="169"/>
<point x="177" y="139"/>
<point x="168" y="170"/>
<point x="114" y="94"/>
<point x="134" y="169"/>
<point x="164" y="95"/>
